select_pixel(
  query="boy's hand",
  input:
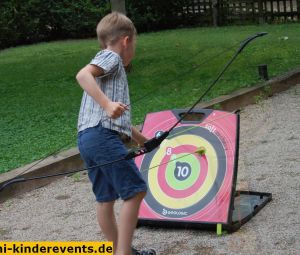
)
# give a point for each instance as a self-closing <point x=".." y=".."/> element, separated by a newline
<point x="115" y="109"/>
<point x="138" y="137"/>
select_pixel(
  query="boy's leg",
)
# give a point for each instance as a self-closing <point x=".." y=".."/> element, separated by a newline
<point x="127" y="224"/>
<point x="107" y="221"/>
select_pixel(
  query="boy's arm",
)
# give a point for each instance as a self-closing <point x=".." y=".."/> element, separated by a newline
<point x="86" y="79"/>
<point x="138" y="137"/>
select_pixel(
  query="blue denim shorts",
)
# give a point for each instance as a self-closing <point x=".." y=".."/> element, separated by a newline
<point x="97" y="146"/>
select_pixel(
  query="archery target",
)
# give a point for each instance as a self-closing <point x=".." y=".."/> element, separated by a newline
<point x="182" y="184"/>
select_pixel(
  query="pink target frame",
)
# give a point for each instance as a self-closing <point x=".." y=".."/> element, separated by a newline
<point x="225" y="126"/>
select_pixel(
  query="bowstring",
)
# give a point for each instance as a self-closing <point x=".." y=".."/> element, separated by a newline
<point x="136" y="101"/>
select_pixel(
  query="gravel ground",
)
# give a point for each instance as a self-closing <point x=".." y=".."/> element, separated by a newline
<point x="269" y="161"/>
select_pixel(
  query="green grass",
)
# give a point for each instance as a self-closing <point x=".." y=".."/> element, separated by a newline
<point x="40" y="98"/>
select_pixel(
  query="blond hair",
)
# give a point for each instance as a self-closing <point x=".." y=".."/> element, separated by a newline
<point x="113" y="27"/>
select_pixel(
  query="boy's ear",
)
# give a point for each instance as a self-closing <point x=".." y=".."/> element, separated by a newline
<point x="125" y="41"/>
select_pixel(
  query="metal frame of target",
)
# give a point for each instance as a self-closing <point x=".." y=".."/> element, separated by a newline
<point x="192" y="187"/>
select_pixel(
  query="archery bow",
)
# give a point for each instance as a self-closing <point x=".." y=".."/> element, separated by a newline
<point x="154" y="142"/>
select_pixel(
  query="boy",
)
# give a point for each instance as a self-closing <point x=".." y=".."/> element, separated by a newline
<point x="104" y="118"/>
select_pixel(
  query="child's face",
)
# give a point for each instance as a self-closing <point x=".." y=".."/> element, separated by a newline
<point x="129" y="50"/>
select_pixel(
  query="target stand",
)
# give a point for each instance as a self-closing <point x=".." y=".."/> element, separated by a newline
<point x="192" y="176"/>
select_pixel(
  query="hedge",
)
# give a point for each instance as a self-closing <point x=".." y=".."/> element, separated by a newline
<point x="23" y="22"/>
<point x="151" y="15"/>
<point x="31" y="21"/>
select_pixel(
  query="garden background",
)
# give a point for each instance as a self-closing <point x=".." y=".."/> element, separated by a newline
<point x="177" y="58"/>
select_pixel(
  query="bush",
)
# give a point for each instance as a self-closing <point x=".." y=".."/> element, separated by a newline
<point x="150" y="15"/>
<point x="32" y="21"/>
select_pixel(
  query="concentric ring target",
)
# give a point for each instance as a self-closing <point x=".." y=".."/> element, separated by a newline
<point x="184" y="182"/>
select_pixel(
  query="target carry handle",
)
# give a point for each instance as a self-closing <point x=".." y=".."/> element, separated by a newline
<point x="197" y="115"/>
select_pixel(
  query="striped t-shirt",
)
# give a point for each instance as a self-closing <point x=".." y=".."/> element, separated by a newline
<point x="115" y="86"/>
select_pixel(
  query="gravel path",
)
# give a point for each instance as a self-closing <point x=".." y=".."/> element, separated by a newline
<point x="269" y="162"/>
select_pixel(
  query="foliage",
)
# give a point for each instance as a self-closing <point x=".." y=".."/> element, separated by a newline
<point x="31" y="21"/>
<point x="24" y="22"/>
<point x="152" y="15"/>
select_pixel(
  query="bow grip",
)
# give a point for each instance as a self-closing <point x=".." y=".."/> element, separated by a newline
<point x="135" y="153"/>
<point x="154" y="142"/>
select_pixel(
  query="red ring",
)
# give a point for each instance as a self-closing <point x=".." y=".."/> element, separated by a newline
<point x="161" y="173"/>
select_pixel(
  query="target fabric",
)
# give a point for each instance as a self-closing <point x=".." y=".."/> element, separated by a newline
<point x="185" y="185"/>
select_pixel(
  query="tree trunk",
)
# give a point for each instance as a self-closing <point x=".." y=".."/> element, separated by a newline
<point x="118" y="5"/>
<point x="215" y="12"/>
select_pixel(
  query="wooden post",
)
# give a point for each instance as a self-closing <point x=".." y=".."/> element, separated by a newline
<point x="272" y="11"/>
<point x="118" y="5"/>
<point x="263" y="72"/>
